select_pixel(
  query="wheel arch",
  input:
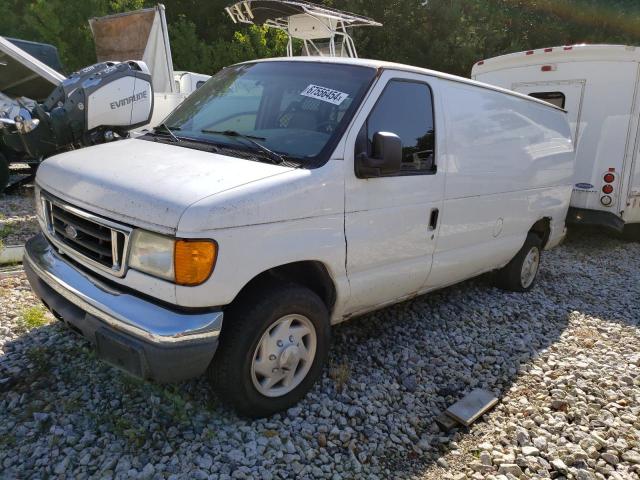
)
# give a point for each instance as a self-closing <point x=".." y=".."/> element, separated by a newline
<point x="311" y="274"/>
<point x="542" y="228"/>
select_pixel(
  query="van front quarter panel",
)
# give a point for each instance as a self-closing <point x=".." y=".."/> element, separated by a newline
<point x="297" y="216"/>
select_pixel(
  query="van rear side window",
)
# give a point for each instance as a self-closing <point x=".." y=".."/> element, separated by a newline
<point x="554" y="98"/>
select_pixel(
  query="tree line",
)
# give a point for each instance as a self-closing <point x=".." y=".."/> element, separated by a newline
<point x="445" y="35"/>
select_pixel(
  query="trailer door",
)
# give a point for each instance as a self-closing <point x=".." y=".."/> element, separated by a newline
<point x="564" y="94"/>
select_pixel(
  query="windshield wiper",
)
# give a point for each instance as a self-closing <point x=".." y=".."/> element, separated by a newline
<point x="278" y="159"/>
<point x="169" y="130"/>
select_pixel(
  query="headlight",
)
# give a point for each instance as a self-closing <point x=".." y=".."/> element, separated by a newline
<point x="152" y="253"/>
<point x="183" y="261"/>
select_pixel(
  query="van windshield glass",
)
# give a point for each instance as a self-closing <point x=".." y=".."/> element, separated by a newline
<point x="296" y="110"/>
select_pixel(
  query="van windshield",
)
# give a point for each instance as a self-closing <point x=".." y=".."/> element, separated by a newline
<point x="297" y="111"/>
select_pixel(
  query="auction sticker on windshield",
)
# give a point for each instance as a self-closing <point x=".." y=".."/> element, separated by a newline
<point x="325" y="94"/>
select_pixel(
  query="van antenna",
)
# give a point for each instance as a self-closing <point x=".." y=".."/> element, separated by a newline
<point x="322" y="30"/>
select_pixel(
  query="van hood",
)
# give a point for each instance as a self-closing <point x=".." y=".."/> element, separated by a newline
<point x="144" y="183"/>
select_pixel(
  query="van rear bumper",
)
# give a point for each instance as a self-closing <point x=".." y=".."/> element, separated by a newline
<point x="135" y="334"/>
<point x="595" y="218"/>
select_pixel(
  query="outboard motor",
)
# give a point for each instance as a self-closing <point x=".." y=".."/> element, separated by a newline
<point x="94" y="105"/>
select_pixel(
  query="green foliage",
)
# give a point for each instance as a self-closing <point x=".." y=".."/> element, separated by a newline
<point x="39" y="357"/>
<point x="33" y="317"/>
<point x="450" y="35"/>
<point x="62" y="23"/>
<point x="192" y="53"/>
<point x="6" y="229"/>
<point x="447" y="35"/>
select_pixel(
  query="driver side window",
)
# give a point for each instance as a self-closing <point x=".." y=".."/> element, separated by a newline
<point x="406" y="109"/>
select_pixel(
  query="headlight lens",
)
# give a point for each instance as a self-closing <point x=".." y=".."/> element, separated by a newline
<point x="183" y="261"/>
<point x="152" y="253"/>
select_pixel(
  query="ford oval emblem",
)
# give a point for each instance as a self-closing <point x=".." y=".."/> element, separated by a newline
<point x="584" y="186"/>
<point x="71" y="232"/>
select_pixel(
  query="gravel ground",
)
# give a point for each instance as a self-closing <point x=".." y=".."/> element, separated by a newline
<point x="17" y="217"/>
<point x="563" y="358"/>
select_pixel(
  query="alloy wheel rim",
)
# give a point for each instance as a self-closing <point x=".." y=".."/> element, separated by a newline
<point x="284" y="355"/>
<point x="530" y="267"/>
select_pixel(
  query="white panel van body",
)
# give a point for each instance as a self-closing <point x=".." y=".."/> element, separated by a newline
<point x="598" y="86"/>
<point x="285" y="196"/>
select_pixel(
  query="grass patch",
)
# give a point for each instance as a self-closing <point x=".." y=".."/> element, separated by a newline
<point x="340" y="375"/>
<point x="39" y="356"/>
<point x="6" y="230"/>
<point x="33" y="317"/>
<point x="133" y="434"/>
<point x="8" y="441"/>
<point x="177" y="405"/>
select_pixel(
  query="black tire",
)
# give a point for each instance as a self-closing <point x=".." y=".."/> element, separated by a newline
<point x="244" y="324"/>
<point x="631" y="232"/>
<point x="510" y="276"/>
<point x="4" y="172"/>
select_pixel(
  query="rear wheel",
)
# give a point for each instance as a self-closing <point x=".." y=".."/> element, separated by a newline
<point x="273" y="347"/>
<point x="519" y="275"/>
<point x="4" y="172"/>
<point x="631" y="232"/>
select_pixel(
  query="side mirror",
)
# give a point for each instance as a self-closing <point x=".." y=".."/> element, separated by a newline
<point x="386" y="157"/>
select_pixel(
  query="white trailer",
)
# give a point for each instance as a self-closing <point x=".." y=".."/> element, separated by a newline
<point x="187" y="82"/>
<point x="598" y="87"/>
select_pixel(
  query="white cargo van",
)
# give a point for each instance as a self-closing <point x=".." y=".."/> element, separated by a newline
<point x="597" y="85"/>
<point x="285" y="196"/>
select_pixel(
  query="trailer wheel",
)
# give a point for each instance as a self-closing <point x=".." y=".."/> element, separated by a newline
<point x="4" y="172"/>
<point x="273" y="347"/>
<point x="519" y="275"/>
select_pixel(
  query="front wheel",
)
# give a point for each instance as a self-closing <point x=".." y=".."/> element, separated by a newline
<point x="519" y="275"/>
<point x="273" y="347"/>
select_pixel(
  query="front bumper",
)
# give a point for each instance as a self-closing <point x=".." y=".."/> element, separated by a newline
<point x="146" y="339"/>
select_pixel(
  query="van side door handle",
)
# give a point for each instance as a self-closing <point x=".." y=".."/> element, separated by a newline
<point x="433" y="219"/>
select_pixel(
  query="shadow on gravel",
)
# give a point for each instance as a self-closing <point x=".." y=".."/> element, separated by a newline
<point x="373" y="412"/>
<point x="601" y="277"/>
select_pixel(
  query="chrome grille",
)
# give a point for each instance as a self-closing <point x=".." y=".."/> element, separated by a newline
<point x="86" y="237"/>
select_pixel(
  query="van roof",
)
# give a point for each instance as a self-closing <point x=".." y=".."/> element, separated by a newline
<point x="566" y="53"/>
<point x="380" y="64"/>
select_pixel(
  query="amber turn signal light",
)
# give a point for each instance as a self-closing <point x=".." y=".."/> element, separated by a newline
<point x="194" y="261"/>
